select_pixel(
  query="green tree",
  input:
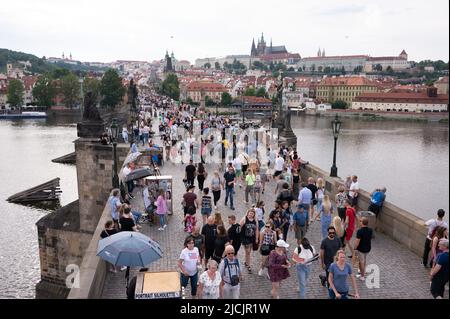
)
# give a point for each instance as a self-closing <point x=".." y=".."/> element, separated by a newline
<point x="189" y="100"/>
<point x="15" y="93"/>
<point x="250" y="92"/>
<point x="111" y="88"/>
<point x="207" y="65"/>
<point x="389" y="69"/>
<point x="44" y="90"/>
<point x="378" y="67"/>
<point x="171" y="87"/>
<point x="320" y="69"/>
<point x="358" y="69"/>
<point x="217" y="65"/>
<point x="260" y="66"/>
<point x="261" y="92"/>
<point x="209" y="101"/>
<point x="226" y="99"/>
<point x="92" y="85"/>
<point x="70" y="89"/>
<point x="313" y="68"/>
<point x="291" y="69"/>
<point x="327" y="70"/>
<point x="343" y="70"/>
<point x="60" y="73"/>
<point x="339" y="105"/>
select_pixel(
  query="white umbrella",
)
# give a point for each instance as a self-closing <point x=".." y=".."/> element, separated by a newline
<point x="131" y="158"/>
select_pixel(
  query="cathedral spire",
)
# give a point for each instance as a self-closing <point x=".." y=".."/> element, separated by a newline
<point x="262" y="37"/>
<point x="323" y="52"/>
<point x="319" y="53"/>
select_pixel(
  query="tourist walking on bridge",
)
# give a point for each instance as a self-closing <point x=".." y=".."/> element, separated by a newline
<point x="231" y="274"/>
<point x="328" y="249"/>
<point x="278" y="267"/>
<point x="339" y="272"/>
<point x="250" y="236"/>
<point x="188" y="263"/>
<point x="363" y="245"/>
<point x="303" y="256"/>
<point x="230" y="182"/>
<point x="432" y="224"/>
<point x="440" y="273"/>
<point x="210" y="282"/>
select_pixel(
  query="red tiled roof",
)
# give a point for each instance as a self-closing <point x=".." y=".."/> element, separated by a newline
<point x="256" y="100"/>
<point x="206" y="86"/>
<point x="443" y="80"/>
<point x="402" y="97"/>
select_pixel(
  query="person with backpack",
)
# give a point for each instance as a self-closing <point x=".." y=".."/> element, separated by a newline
<point x="230" y="271"/>
<point x="303" y="256"/>
<point x="250" y="235"/>
<point x="206" y="205"/>
<point x="301" y="223"/>
<point x="432" y="225"/>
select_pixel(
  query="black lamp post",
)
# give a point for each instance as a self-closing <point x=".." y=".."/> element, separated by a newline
<point x="336" y="126"/>
<point x="115" y="135"/>
<point x="242" y="108"/>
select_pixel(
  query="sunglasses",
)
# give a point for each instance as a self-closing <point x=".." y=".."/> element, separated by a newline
<point x="332" y="233"/>
<point x="267" y="226"/>
<point x="230" y="253"/>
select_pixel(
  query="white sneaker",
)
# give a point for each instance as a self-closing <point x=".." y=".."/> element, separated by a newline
<point x="362" y="278"/>
<point x="164" y="227"/>
<point x="260" y="272"/>
<point x="123" y="268"/>
<point x="160" y="228"/>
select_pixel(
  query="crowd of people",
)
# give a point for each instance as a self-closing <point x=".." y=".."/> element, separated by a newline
<point x="209" y="258"/>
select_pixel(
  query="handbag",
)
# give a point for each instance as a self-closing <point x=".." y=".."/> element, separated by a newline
<point x="255" y="246"/>
<point x="265" y="249"/>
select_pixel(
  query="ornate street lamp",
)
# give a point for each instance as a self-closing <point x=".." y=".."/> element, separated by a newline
<point x="115" y="136"/>
<point x="336" y="126"/>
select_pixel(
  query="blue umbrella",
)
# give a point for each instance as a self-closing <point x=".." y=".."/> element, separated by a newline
<point x="129" y="248"/>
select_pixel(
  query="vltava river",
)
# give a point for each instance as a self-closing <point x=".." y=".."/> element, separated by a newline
<point x="409" y="158"/>
<point x="27" y="148"/>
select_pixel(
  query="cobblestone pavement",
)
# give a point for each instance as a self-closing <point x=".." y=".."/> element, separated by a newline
<point x="401" y="274"/>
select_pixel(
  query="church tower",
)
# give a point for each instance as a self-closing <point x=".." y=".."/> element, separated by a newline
<point x="168" y="67"/>
<point x="253" y="52"/>
<point x="323" y="52"/>
<point x="319" y="53"/>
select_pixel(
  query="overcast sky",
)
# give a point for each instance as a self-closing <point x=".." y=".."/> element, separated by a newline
<point x="108" y="30"/>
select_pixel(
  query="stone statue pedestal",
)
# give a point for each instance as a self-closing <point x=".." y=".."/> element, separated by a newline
<point x="90" y="129"/>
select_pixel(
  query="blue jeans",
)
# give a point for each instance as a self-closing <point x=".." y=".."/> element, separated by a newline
<point x="145" y="141"/>
<point x="333" y="296"/>
<point x="194" y="280"/>
<point x="325" y="221"/>
<point x="162" y="220"/>
<point x="302" y="276"/>
<point x="136" y="216"/>
<point x="229" y="193"/>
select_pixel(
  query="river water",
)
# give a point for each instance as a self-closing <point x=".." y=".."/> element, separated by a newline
<point x="27" y="148"/>
<point x="410" y="159"/>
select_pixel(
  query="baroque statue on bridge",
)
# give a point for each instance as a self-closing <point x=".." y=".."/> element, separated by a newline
<point x="90" y="112"/>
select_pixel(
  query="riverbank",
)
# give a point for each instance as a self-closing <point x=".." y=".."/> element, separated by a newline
<point x="441" y="117"/>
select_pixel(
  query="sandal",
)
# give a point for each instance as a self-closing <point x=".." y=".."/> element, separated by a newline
<point x="249" y="269"/>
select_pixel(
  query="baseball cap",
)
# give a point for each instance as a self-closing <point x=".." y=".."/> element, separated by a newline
<point x="282" y="243"/>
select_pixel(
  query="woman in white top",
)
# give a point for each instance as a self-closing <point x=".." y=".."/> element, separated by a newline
<point x="188" y="263"/>
<point x="303" y="260"/>
<point x="209" y="284"/>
